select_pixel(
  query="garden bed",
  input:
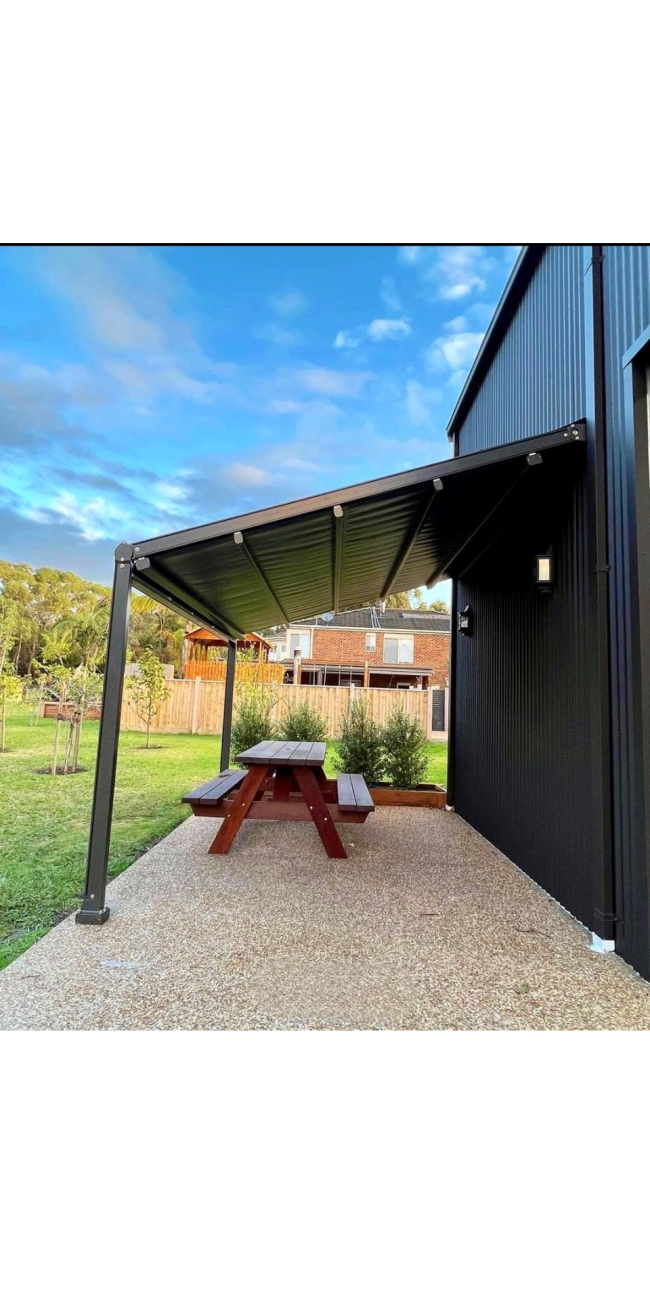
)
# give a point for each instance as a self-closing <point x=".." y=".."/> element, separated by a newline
<point x="424" y="796"/>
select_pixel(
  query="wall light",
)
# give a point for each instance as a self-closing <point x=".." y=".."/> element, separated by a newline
<point x="465" y="620"/>
<point x="545" y="572"/>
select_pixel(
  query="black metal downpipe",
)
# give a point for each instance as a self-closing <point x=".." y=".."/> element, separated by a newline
<point x="606" y="920"/>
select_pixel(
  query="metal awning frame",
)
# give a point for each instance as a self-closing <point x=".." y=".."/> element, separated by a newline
<point x="135" y="565"/>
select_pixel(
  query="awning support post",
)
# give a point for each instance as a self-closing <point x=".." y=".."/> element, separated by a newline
<point x="93" y="910"/>
<point x="229" y="695"/>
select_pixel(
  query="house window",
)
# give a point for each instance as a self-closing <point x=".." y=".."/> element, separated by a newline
<point x="300" y="641"/>
<point x="371" y="641"/>
<point x="398" y="649"/>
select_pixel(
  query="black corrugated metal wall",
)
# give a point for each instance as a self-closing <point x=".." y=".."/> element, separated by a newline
<point x="523" y="764"/>
<point x="536" y="381"/>
<point x="524" y="772"/>
<point x="526" y="746"/>
<point x="626" y="298"/>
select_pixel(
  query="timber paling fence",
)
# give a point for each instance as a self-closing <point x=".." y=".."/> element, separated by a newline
<point x="196" y="706"/>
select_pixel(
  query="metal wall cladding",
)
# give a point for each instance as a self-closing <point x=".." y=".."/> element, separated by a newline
<point x="626" y="295"/>
<point x="536" y="381"/>
<point x="524" y="774"/>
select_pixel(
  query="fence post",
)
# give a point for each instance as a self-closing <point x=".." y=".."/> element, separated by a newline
<point x="429" y="712"/>
<point x="194" y="725"/>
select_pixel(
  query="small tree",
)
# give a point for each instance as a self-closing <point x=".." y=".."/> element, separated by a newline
<point x="149" y="690"/>
<point x="10" y="691"/>
<point x="405" y="751"/>
<point x="85" y="688"/>
<point x="301" y="722"/>
<point x="57" y="677"/>
<point x="360" y="748"/>
<point x="252" y="723"/>
<point x="9" y="625"/>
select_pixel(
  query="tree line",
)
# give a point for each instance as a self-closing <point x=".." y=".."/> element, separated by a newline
<point x="51" y="612"/>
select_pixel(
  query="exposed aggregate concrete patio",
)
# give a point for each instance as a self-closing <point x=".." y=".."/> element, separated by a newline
<point x="425" y="926"/>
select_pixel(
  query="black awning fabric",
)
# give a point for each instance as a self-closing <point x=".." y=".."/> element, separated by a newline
<point x="341" y="549"/>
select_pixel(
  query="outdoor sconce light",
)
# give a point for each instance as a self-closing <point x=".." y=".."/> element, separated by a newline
<point x="465" y="620"/>
<point x="544" y="572"/>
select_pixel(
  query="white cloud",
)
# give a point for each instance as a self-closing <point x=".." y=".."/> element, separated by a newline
<point x="172" y="490"/>
<point x="279" y="336"/>
<point x="245" y="474"/>
<point x="451" y="272"/>
<point x="410" y="254"/>
<point x="289" y="303"/>
<point x="331" y="383"/>
<point x="123" y="294"/>
<point x="479" y="314"/>
<point x="130" y="304"/>
<point x="147" y="381"/>
<point x="459" y="271"/>
<point x="347" y="339"/>
<point x="285" y="406"/>
<point x="378" y="330"/>
<point x="454" y="351"/>
<point x="458" y="325"/>
<point x="389" y="295"/>
<point x="94" y="518"/>
<point x="419" y="400"/>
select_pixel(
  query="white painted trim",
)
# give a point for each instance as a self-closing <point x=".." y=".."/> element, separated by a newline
<point x="601" y="945"/>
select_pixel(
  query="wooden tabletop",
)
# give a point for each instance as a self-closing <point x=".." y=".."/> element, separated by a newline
<point x="290" y="753"/>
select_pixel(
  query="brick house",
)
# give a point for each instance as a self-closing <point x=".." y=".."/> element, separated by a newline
<point x="405" y="649"/>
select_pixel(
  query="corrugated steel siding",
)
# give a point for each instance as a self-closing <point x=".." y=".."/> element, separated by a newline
<point x="537" y="379"/>
<point x="524" y="773"/>
<point x="626" y="293"/>
<point x="523" y="767"/>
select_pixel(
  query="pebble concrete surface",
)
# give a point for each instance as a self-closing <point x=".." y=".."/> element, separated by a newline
<point x="424" y="926"/>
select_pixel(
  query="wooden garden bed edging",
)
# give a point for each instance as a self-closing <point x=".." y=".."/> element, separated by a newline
<point x="425" y="796"/>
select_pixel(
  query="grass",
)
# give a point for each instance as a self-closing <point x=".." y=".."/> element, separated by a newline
<point x="44" y="820"/>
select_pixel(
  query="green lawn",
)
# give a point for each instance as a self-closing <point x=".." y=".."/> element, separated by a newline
<point x="44" y="819"/>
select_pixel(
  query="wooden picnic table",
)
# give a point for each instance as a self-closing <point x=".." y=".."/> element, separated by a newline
<point x="284" y="781"/>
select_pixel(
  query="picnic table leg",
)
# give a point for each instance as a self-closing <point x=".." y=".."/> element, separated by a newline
<point x="241" y="804"/>
<point x="320" y="812"/>
<point x="282" y="783"/>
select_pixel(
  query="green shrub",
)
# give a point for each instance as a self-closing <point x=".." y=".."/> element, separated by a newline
<point x="303" y="723"/>
<point x="405" y="751"/>
<point x="360" y="748"/>
<point x="252" y="722"/>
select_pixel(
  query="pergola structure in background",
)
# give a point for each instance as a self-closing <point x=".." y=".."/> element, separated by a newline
<point x="331" y="551"/>
<point x="198" y="643"/>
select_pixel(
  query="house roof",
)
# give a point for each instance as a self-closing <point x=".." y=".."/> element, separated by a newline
<point x="338" y="549"/>
<point x="391" y="620"/>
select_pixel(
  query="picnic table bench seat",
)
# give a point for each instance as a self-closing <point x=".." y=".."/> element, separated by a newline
<point x="353" y="794"/>
<point x="216" y="789"/>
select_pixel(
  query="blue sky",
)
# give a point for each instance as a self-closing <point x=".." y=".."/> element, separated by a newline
<point x="146" y="389"/>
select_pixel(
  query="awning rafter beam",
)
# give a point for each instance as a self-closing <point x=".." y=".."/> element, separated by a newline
<point x="532" y="459"/>
<point x="174" y="598"/>
<point x="337" y="557"/>
<point x="411" y="539"/>
<point x="254" y="564"/>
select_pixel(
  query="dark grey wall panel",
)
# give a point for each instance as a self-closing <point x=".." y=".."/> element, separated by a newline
<point x="626" y="295"/>
<point x="536" y="380"/>
<point x="524" y="772"/>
